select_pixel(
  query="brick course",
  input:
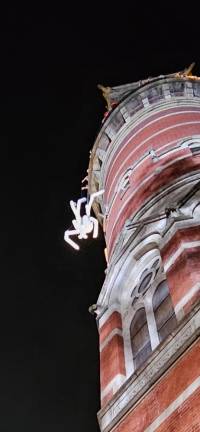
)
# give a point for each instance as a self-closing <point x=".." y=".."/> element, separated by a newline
<point x="135" y="199"/>
<point x="186" y="418"/>
<point x="184" y="274"/>
<point x="178" y="378"/>
<point x="113" y="322"/>
<point x="112" y="360"/>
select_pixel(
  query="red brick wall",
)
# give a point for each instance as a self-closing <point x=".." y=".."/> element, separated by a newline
<point x="146" y="130"/>
<point x="184" y="274"/>
<point x="182" y="235"/>
<point x="106" y="398"/>
<point x="113" y="322"/>
<point x="112" y="360"/>
<point x="167" y="390"/>
<point x="186" y="418"/>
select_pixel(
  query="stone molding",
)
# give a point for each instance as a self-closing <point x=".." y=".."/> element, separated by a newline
<point x="106" y="341"/>
<point x="158" y="363"/>
<point x="187" y="297"/>
<point x="174" y="191"/>
<point x="113" y="385"/>
<point x="183" y="247"/>
<point x="160" y="235"/>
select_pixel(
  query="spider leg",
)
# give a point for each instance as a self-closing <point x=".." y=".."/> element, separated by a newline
<point x="76" y="208"/>
<point x="92" y="197"/>
<point x="96" y="226"/>
<point x="79" y="202"/>
<point x="67" y="238"/>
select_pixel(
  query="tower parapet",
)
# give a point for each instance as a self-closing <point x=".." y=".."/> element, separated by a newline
<point x="147" y="159"/>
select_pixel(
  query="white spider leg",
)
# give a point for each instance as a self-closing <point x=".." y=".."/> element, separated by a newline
<point x="76" y="208"/>
<point x="96" y="226"/>
<point x="67" y="235"/>
<point x="92" y="197"/>
<point x="75" y="223"/>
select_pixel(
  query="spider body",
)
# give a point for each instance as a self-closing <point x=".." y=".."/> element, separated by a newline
<point x="83" y="225"/>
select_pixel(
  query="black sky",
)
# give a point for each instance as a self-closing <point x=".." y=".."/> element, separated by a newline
<point x="51" y="62"/>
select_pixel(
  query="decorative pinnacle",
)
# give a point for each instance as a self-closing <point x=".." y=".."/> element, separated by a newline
<point x="187" y="71"/>
<point x="106" y="94"/>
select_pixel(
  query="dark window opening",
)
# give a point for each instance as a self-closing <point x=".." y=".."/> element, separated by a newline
<point x="163" y="311"/>
<point x="140" y="340"/>
<point x="195" y="150"/>
<point x="145" y="282"/>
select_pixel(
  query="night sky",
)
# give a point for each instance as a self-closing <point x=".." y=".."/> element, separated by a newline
<point x="51" y="110"/>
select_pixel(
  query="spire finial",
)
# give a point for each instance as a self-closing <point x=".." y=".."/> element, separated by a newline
<point x="106" y="94"/>
<point x="188" y="71"/>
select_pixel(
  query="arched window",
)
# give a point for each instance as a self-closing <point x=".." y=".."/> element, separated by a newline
<point x="140" y="341"/>
<point x="163" y="311"/>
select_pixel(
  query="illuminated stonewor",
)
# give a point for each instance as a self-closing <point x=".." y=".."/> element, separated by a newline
<point x="147" y="158"/>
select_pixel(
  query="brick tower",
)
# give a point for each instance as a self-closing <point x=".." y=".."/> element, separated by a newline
<point x="147" y="158"/>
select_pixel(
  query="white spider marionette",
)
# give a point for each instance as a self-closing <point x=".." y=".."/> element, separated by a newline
<point x="83" y="224"/>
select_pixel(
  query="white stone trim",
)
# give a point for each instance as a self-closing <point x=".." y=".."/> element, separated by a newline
<point x="113" y="385"/>
<point x="166" y="91"/>
<point x="114" y="332"/>
<point x="188" y="90"/>
<point x="125" y="114"/>
<point x="174" y="405"/>
<point x="145" y="102"/>
<point x="187" y="142"/>
<point x="184" y="300"/>
<point x="175" y="256"/>
<point x="108" y="312"/>
<point x="151" y="322"/>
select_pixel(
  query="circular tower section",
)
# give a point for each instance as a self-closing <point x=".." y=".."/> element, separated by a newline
<point x="147" y="159"/>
